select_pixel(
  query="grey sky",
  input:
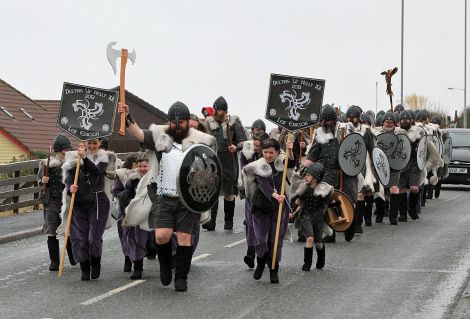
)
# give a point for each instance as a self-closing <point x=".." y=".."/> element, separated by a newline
<point x="194" y="51"/>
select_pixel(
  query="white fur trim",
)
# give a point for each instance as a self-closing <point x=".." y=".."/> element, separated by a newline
<point x="415" y="133"/>
<point x="163" y="142"/>
<point x="248" y="149"/>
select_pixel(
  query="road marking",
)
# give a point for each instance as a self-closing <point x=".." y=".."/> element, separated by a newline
<point x="235" y="243"/>
<point x="449" y="199"/>
<point x="111" y="292"/>
<point x="200" y="257"/>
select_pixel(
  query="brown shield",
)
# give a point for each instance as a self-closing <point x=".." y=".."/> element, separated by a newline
<point x="341" y="213"/>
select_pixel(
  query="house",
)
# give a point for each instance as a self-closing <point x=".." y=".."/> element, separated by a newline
<point x="28" y="126"/>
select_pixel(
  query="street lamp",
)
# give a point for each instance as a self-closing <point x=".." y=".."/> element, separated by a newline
<point x="464" y="105"/>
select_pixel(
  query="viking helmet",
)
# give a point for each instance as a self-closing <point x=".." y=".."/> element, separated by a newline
<point x="379" y="121"/>
<point x="220" y="104"/>
<point x="405" y="115"/>
<point x="399" y="108"/>
<point x="316" y="170"/>
<point x="436" y="119"/>
<point x="421" y="116"/>
<point x="381" y="112"/>
<point x="61" y="143"/>
<point x="353" y="111"/>
<point x="328" y="113"/>
<point x="389" y="116"/>
<point x="366" y="119"/>
<point x="178" y="111"/>
<point x="259" y="124"/>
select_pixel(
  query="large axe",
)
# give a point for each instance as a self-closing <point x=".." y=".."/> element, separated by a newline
<point x="388" y="79"/>
<point x="113" y="54"/>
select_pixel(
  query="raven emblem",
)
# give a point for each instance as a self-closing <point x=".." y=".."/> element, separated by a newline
<point x="87" y="113"/>
<point x="295" y="104"/>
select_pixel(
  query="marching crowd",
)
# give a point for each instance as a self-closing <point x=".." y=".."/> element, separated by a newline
<point x="141" y="192"/>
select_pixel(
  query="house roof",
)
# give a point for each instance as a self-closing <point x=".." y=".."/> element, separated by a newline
<point x="27" y="122"/>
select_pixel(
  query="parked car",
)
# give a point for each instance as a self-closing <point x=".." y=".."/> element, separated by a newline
<point x="459" y="166"/>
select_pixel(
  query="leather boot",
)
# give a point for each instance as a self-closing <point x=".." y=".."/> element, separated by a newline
<point x="349" y="233"/>
<point x="53" y="247"/>
<point x="127" y="264"/>
<point x="369" y="200"/>
<point x="320" y="257"/>
<point x="437" y="189"/>
<point x="249" y="259"/>
<point x="210" y="225"/>
<point x="261" y="264"/>
<point x="164" y="258"/>
<point x="70" y="253"/>
<point x="414" y="198"/>
<point x="301" y="237"/>
<point x="151" y="246"/>
<point x="403" y="202"/>
<point x="394" y="204"/>
<point x="308" y="255"/>
<point x="138" y="268"/>
<point x="359" y="216"/>
<point x="429" y="191"/>
<point x="229" y="210"/>
<point x="273" y="274"/>
<point x="85" y="267"/>
<point x="329" y="239"/>
<point x="95" y="267"/>
<point x="380" y="209"/>
<point x="423" y="190"/>
<point x="183" y="265"/>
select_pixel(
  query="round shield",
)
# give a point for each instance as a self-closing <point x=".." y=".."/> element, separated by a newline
<point x="199" y="178"/>
<point x="402" y="153"/>
<point x="340" y="214"/>
<point x="387" y="142"/>
<point x="447" y="152"/>
<point x="422" y="153"/>
<point x="352" y="154"/>
<point x="382" y="167"/>
<point x="438" y="144"/>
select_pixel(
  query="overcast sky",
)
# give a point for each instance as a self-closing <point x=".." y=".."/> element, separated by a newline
<point x="195" y="51"/>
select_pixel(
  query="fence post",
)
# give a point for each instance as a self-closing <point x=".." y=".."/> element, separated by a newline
<point x="36" y="195"/>
<point x="16" y="199"/>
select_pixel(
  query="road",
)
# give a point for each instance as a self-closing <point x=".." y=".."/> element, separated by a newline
<point x="417" y="269"/>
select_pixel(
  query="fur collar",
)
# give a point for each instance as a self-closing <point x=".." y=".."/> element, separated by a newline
<point x="322" y="189"/>
<point x="415" y="133"/>
<point x="70" y="161"/>
<point x="361" y="129"/>
<point x="101" y="156"/>
<point x="54" y="162"/>
<point x="322" y="137"/>
<point x="124" y="174"/>
<point x="248" y="149"/>
<point x="213" y="124"/>
<point x="163" y="142"/>
<point x="262" y="168"/>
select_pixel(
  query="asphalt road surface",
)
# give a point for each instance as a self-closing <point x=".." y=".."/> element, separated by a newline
<point x="417" y="269"/>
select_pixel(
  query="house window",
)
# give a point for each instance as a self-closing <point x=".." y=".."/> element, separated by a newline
<point x="4" y="110"/>
<point x="27" y="114"/>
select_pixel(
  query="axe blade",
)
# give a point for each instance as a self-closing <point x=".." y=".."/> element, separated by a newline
<point x="132" y="56"/>
<point x="112" y="55"/>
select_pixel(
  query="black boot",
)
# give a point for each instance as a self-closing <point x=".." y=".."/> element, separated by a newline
<point x="394" y="204"/>
<point x="249" y="259"/>
<point x="320" y="258"/>
<point x="138" y="268"/>
<point x="70" y="253"/>
<point x="261" y="264"/>
<point x="308" y="255"/>
<point x="422" y="195"/>
<point x="151" y="246"/>
<point x="414" y="198"/>
<point x="349" y="233"/>
<point x="300" y="237"/>
<point x="273" y="274"/>
<point x="183" y="265"/>
<point x="437" y="190"/>
<point x="210" y="225"/>
<point x="53" y="246"/>
<point x="380" y="209"/>
<point x="368" y="210"/>
<point x="429" y="191"/>
<point x="329" y="239"/>
<point x="127" y="264"/>
<point x="95" y="267"/>
<point x="85" y="267"/>
<point x="359" y="216"/>
<point x="164" y="257"/>
<point x="229" y="210"/>
<point x="387" y="208"/>
<point x="403" y="202"/>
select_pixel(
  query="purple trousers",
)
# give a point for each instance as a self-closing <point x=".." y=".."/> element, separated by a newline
<point x="88" y="226"/>
<point x="249" y="230"/>
<point x="264" y="227"/>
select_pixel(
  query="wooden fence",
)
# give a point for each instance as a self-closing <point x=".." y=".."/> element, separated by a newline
<point x="19" y="185"/>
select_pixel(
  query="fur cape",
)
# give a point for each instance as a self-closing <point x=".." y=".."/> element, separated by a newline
<point x="212" y="124"/>
<point x="321" y="137"/>
<point x="322" y="189"/>
<point x="139" y="208"/>
<point x="70" y="162"/>
<point x="54" y="162"/>
<point x="263" y="169"/>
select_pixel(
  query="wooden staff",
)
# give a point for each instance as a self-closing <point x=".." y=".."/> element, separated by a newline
<point x="69" y="219"/>
<point x="46" y="170"/>
<point x="311" y="134"/>
<point x="300" y="145"/>
<point x="340" y="170"/>
<point x="122" y="91"/>
<point x="279" y="213"/>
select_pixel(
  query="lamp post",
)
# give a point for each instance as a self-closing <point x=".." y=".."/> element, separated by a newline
<point x="376" y="84"/>
<point x="402" y="38"/>
<point x="464" y="101"/>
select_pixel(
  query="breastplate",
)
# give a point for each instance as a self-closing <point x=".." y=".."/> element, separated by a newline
<point x="168" y="171"/>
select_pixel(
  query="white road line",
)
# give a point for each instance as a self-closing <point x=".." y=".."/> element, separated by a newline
<point x="235" y="243"/>
<point x="111" y="292"/>
<point x="449" y="199"/>
<point x="200" y="257"/>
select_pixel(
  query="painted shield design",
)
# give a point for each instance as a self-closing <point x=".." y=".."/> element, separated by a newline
<point x="199" y="178"/>
<point x="352" y="154"/>
<point x="401" y="156"/>
<point x="422" y="153"/>
<point x="447" y="152"/>
<point x="387" y="142"/>
<point x="438" y="144"/>
<point x="340" y="213"/>
<point x="382" y="167"/>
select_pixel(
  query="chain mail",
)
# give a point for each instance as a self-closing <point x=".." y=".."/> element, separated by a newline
<point x="168" y="171"/>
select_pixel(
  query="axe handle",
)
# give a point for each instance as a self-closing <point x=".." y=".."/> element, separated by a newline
<point x="122" y="90"/>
